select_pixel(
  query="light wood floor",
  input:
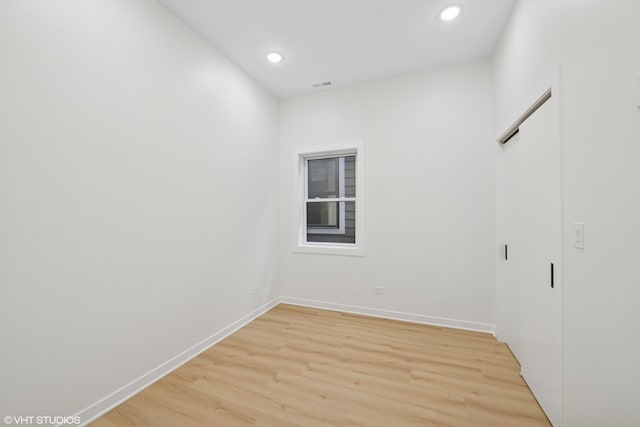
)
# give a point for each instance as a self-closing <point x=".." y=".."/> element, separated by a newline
<point x="304" y="367"/>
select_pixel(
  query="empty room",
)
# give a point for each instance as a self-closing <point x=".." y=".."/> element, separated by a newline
<point x="370" y="213"/>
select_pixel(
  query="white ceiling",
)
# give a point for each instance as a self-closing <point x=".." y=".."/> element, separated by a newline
<point x="344" y="41"/>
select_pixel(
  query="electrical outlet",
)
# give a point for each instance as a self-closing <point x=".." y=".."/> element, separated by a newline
<point x="379" y="290"/>
<point x="255" y="290"/>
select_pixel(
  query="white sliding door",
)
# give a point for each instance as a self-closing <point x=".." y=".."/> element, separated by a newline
<point x="533" y="237"/>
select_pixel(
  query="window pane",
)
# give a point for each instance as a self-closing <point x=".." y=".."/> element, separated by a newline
<point x="323" y="215"/>
<point x="323" y="178"/>
<point x="350" y="176"/>
<point x="331" y="222"/>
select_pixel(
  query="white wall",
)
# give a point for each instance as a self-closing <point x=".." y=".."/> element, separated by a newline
<point x="139" y="194"/>
<point x="429" y="204"/>
<point x="138" y="197"/>
<point x="598" y="46"/>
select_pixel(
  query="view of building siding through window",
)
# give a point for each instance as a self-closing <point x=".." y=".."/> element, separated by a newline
<point x="331" y="200"/>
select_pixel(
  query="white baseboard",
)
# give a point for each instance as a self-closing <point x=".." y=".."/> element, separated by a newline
<point x="104" y="405"/>
<point x="114" y="399"/>
<point x="395" y="315"/>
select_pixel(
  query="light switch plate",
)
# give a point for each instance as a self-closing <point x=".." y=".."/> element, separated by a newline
<point x="579" y="237"/>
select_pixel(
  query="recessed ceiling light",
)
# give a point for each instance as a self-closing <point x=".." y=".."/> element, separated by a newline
<point x="450" y="13"/>
<point x="274" y="57"/>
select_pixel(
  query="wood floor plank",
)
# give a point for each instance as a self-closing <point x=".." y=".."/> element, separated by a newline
<point x="297" y="366"/>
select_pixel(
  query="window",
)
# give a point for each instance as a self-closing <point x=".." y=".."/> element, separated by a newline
<point x="329" y="202"/>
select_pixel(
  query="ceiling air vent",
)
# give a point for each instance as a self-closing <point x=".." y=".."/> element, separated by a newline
<point x="321" y="84"/>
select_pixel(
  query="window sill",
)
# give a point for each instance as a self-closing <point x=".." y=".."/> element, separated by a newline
<point x="329" y="249"/>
